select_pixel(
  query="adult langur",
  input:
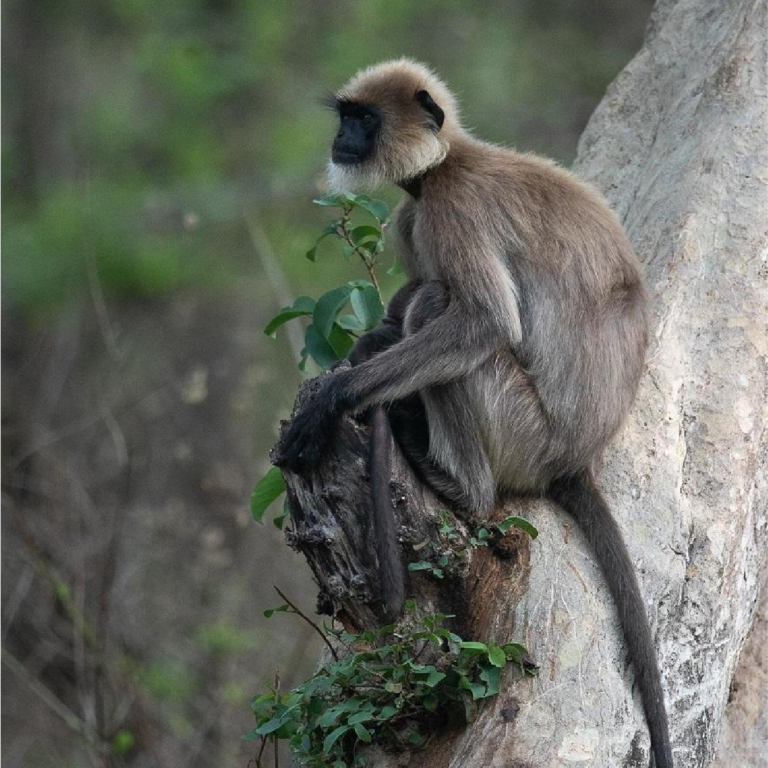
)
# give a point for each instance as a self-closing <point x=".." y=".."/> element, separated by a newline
<point x="521" y="335"/>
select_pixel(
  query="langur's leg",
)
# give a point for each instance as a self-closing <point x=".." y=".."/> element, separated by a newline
<point x="442" y="440"/>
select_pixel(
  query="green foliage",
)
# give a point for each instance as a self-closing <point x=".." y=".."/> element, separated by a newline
<point x="122" y="742"/>
<point x="488" y="533"/>
<point x="518" y="522"/>
<point x="482" y="535"/>
<point x="168" y="681"/>
<point x="330" y="333"/>
<point x="382" y="693"/>
<point x="223" y="638"/>
<point x="435" y="569"/>
<point x="80" y="233"/>
<point x="269" y="488"/>
<point x="212" y="108"/>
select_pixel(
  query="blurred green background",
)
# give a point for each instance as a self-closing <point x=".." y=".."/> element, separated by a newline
<point x="159" y="159"/>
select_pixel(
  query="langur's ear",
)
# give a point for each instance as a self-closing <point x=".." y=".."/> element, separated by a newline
<point x="432" y="107"/>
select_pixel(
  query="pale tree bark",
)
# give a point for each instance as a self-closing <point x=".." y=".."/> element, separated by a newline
<point x="678" y="146"/>
<point x="744" y="737"/>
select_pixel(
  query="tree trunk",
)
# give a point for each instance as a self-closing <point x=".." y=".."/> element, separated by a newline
<point x="678" y="146"/>
<point x="744" y="738"/>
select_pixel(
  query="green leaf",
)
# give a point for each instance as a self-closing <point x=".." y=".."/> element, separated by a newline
<point x="378" y="208"/>
<point x="279" y="520"/>
<point x="367" y="305"/>
<point x="266" y="491"/>
<point x="518" y="522"/>
<point x="333" y="737"/>
<point x="491" y="676"/>
<point x="362" y="733"/>
<point x="422" y="565"/>
<point x="330" y="716"/>
<point x="331" y="201"/>
<point x="327" y="307"/>
<point x="319" y="348"/>
<point x="360" y="234"/>
<point x="340" y="341"/>
<point x="304" y="356"/>
<point x="281" y="319"/>
<point x="304" y="305"/>
<point x="415" y="738"/>
<point x="496" y="656"/>
<point x="269" y="726"/>
<point x="477" y="690"/>
<point x="270" y="612"/>
<point x="434" y="678"/>
<point x="514" y="651"/>
<point x="396" y="269"/>
<point x="351" y="323"/>
<point x="471" y="645"/>
<point x="311" y="254"/>
<point x="387" y="712"/>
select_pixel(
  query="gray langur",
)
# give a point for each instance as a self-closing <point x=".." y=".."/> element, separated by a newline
<point x="512" y="356"/>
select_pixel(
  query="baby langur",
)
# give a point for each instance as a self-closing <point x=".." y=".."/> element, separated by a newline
<point x="513" y="355"/>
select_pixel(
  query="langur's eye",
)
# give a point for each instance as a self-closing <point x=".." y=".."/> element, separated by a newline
<point x="368" y="120"/>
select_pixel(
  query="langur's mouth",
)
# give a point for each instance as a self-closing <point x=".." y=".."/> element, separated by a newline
<point x="345" y="158"/>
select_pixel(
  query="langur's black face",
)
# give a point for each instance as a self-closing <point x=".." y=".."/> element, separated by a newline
<point x="356" y="139"/>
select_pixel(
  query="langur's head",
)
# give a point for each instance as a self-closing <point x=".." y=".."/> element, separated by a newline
<point x="396" y="120"/>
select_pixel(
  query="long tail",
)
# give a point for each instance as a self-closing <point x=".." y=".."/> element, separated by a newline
<point x="578" y="495"/>
<point x="391" y="570"/>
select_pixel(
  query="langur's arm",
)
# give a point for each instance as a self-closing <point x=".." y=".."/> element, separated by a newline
<point x="481" y="317"/>
<point x="444" y="349"/>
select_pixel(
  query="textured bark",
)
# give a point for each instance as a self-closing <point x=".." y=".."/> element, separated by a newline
<point x="744" y="737"/>
<point x="678" y="146"/>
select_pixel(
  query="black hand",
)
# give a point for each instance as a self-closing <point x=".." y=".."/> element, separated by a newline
<point x="313" y="429"/>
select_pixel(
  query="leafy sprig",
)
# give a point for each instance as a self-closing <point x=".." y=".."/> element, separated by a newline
<point x="337" y="317"/>
<point x="330" y="335"/>
<point x="381" y="693"/>
<point x="481" y="535"/>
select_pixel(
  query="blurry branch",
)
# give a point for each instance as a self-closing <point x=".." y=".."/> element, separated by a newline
<point x="100" y="307"/>
<point x="104" y="414"/>
<point x="55" y="704"/>
<point x="275" y="278"/>
<point x="41" y="562"/>
<point x="20" y="591"/>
